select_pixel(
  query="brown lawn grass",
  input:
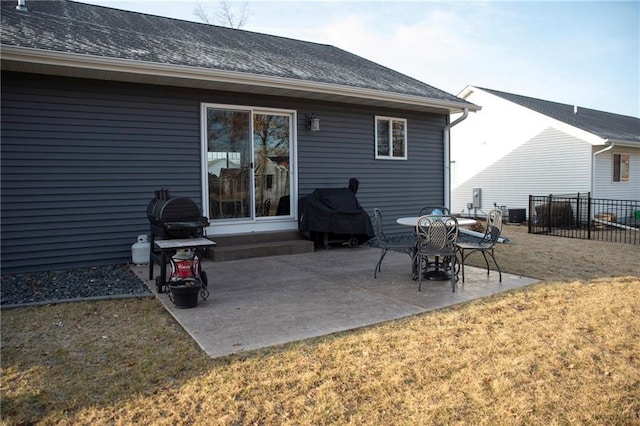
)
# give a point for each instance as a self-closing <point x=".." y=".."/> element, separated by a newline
<point x="565" y="351"/>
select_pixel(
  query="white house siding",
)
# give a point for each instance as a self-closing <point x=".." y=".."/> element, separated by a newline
<point x="549" y="163"/>
<point x="510" y="152"/>
<point x="604" y="187"/>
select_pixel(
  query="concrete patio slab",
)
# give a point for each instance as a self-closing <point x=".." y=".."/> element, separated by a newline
<point x="261" y="302"/>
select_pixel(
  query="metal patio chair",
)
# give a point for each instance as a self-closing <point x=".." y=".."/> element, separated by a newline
<point x="437" y="236"/>
<point x="485" y="244"/>
<point x="386" y="244"/>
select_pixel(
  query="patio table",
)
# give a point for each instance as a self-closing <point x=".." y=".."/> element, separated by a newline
<point x="413" y="221"/>
<point x="437" y="274"/>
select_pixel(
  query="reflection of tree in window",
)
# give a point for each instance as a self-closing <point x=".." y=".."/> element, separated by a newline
<point x="227" y="130"/>
<point x="621" y="167"/>
<point x="383" y="138"/>
<point x="271" y="150"/>
<point x="398" y="139"/>
<point x="391" y="138"/>
<point x="228" y="139"/>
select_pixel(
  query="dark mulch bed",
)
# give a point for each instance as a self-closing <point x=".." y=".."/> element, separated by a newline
<point x="70" y="284"/>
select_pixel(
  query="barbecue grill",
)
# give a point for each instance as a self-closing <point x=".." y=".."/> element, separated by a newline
<point x="172" y="218"/>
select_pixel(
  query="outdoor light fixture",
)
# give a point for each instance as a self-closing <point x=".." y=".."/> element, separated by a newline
<point x="314" y="123"/>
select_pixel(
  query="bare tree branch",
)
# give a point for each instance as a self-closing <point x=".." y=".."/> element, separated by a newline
<point x="223" y="14"/>
<point x="245" y="12"/>
<point x="201" y="14"/>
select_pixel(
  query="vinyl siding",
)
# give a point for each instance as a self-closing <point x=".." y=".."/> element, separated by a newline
<point x="604" y="185"/>
<point x="80" y="163"/>
<point x="345" y="148"/>
<point x="511" y="152"/>
<point x="550" y="163"/>
<point x="81" y="159"/>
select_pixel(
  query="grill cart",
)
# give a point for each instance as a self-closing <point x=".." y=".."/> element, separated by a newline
<point x="177" y="240"/>
<point x="187" y="278"/>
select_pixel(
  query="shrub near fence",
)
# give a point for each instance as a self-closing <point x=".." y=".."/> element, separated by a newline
<point x="581" y="216"/>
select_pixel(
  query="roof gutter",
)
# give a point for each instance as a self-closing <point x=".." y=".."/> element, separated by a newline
<point x="447" y="155"/>
<point x="593" y="164"/>
<point x="622" y="143"/>
<point x="183" y="72"/>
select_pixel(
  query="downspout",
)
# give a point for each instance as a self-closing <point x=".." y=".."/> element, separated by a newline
<point x="447" y="156"/>
<point x="593" y="181"/>
<point x="593" y="165"/>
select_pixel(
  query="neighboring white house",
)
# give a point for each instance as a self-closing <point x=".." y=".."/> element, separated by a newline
<point x="518" y="146"/>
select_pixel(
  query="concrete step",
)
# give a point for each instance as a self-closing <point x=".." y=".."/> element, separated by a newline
<point x="257" y="237"/>
<point x="263" y="244"/>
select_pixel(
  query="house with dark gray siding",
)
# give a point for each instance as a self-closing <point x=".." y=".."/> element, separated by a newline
<point x="101" y="107"/>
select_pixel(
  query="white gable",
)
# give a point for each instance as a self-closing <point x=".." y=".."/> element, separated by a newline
<point x="509" y="152"/>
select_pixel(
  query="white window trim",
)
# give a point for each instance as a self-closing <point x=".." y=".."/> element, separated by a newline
<point x="277" y="223"/>
<point x="613" y="158"/>
<point x="390" y="156"/>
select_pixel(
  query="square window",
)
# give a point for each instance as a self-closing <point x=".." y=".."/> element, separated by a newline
<point x="391" y="138"/>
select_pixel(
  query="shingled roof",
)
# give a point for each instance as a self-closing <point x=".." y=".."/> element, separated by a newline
<point x="608" y="126"/>
<point x="190" y="53"/>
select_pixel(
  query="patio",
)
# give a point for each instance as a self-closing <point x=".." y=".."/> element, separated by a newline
<point x="261" y="302"/>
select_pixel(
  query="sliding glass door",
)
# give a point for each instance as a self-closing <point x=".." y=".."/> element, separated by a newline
<point x="248" y="154"/>
<point x="228" y="134"/>
<point x="271" y="155"/>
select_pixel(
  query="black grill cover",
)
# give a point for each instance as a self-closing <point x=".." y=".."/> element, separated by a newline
<point x="335" y="211"/>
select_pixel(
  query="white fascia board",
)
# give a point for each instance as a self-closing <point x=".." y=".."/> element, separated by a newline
<point x="625" y="144"/>
<point x="586" y="136"/>
<point x="128" y="66"/>
<point x="466" y="92"/>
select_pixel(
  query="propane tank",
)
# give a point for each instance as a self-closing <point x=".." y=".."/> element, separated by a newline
<point x="140" y="250"/>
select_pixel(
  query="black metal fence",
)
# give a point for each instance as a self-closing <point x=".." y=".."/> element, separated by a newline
<point x="580" y="216"/>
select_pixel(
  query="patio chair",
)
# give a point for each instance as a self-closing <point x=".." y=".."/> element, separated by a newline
<point x="386" y="244"/>
<point x="437" y="236"/>
<point x="470" y="244"/>
<point x="433" y="210"/>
